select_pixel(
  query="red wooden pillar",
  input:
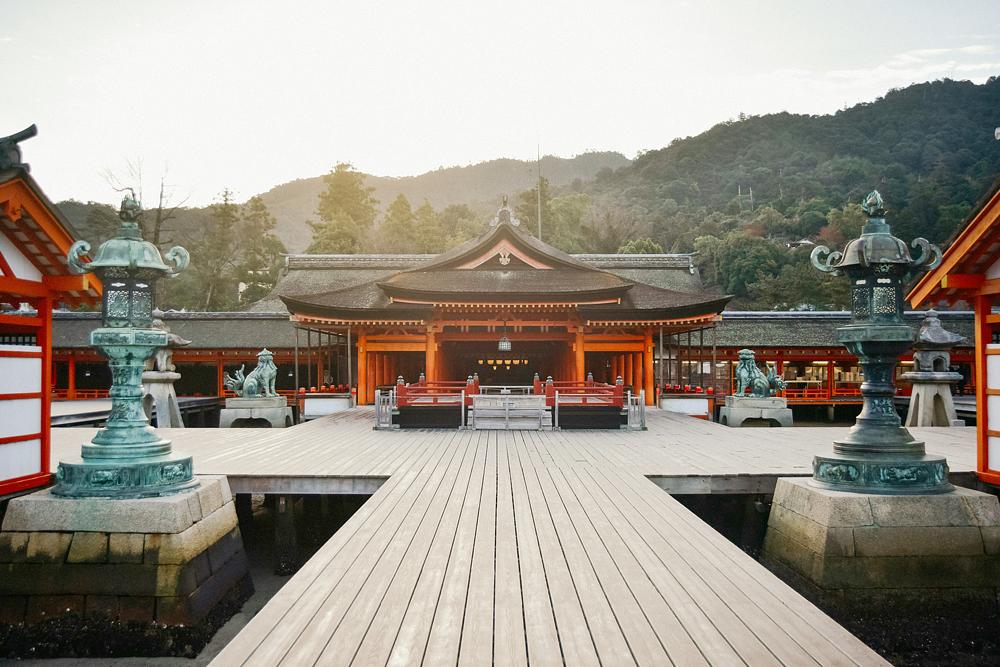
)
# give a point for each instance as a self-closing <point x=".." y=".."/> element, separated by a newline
<point x="430" y="356"/>
<point x="636" y="372"/>
<point x="372" y="378"/>
<point x="220" y="385"/>
<point x="983" y="305"/>
<point x="71" y="378"/>
<point x="362" y="369"/>
<point x="614" y="368"/>
<point x="580" y="367"/>
<point x="45" y="341"/>
<point x="647" y="367"/>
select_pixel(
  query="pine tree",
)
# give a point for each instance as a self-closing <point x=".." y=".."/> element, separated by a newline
<point x="210" y="283"/>
<point x="429" y="232"/>
<point x="398" y="230"/>
<point x="261" y="250"/>
<point x="346" y="211"/>
<point x="642" y="246"/>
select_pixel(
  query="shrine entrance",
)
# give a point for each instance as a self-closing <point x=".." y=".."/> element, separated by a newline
<point x="518" y="366"/>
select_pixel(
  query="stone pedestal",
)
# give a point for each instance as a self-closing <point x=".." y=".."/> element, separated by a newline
<point x="159" y="393"/>
<point x="931" y="403"/>
<point x="168" y="560"/>
<point x="857" y="549"/>
<point x="256" y="412"/>
<point x="738" y="409"/>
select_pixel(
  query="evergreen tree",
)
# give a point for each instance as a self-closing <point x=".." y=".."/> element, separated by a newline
<point x="643" y="246"/>
<point x="338" y="235"/>
<point x="527" y="208"/>
<point x="211" y="281"/>
<point x="428" y="229"/>
<point x="459" y="224"/>
<point x="260" y="260"/>
<point x="398" y="230"/>
<point x="347" y="207"/>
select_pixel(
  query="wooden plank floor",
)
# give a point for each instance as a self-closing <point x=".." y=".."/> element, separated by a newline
<point x="342" y="454"/>
<point x="518" y="547"/>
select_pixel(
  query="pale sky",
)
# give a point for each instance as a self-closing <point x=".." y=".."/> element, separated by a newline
<point x="248" y="95"/>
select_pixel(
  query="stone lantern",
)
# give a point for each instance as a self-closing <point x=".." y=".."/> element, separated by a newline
<point x="878" y="530"/>
<point x="126" y="458"/>
<point x="878" y="455"/>
<point x="930" y="402"/>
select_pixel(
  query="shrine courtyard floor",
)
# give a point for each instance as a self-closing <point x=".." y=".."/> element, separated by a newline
<point x="516" y="547"/>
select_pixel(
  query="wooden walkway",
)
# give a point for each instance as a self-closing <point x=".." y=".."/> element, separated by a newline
<point x="342" y="454"/>
<point x="509" y="548"/>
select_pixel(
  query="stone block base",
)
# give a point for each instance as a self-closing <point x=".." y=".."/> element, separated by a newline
<point x="858" y="549"/>
<point x="739" y="409"/>
<point x="170" y="560"/>
<point x="274" y="417"/>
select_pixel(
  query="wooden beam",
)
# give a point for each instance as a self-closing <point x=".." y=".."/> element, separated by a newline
<point x="80" y="283"/>
<point x="990" y="286"/>
<point x="962" y="281"/>
<point x="19" y="321"/>
<point x="23" y="287"/>
<point x="378" y="346"/>
<point x="613" y="347"/>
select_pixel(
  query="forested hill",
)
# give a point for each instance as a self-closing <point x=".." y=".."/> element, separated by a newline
<point x="479" y="186"/>
<point x="928" y="148"/>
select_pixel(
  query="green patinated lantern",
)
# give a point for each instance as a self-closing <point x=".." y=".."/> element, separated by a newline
<point x="878" y="455"/>
<point x="127" y="458"/>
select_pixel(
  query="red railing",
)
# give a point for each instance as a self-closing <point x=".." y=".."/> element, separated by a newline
<point x="79" y="394"/>
<point x="424" y="393"/>
<point x="587" y="392"/>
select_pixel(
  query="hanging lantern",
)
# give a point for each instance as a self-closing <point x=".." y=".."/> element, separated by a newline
<point x="504" y="344"/>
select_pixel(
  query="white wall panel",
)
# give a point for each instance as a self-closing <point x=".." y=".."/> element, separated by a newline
<point x="993" y="368"/>
<point x="993" y="453"/>
<point x="21" y="416"/>
<point x="18" y="459"/>
<point x="20" y="375"/>
<point x="22" y="266"/>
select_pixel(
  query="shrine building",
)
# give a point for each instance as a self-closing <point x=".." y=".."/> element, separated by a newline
<point x="504" y="306"/>
<point x="34" y="278"/>
<point x="969" y="273"/>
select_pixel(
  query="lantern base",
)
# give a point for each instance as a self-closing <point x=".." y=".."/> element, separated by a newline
<point x="907" y="554"/>
<point x="143" y="477"/>
<point x="883" y="474"/>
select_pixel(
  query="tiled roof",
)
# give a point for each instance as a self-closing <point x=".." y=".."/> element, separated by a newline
<point x="812" y="329"/>
<point x="253" y="330"/>
<point x="558" y="284"/>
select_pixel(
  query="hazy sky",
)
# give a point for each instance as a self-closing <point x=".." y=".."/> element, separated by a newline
<point x="252" y="94"/>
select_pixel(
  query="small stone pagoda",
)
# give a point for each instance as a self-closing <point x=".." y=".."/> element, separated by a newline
<point x="931" y="403"/>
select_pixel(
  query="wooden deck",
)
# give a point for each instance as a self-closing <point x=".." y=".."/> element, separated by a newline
<point x="342" y="454"/>
<point x="496" y="547"/>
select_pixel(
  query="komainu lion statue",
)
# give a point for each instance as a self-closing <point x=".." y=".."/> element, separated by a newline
<point x="748" y="376"/>
<point x="260" y="381"/>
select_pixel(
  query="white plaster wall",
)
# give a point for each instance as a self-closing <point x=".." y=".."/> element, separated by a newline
<point x="22" y="266"/>
<point x="20" y="375"/>
<point x="993" y="271"/>
<point x="18" y="459"/>
<point x="20" y="416"/>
